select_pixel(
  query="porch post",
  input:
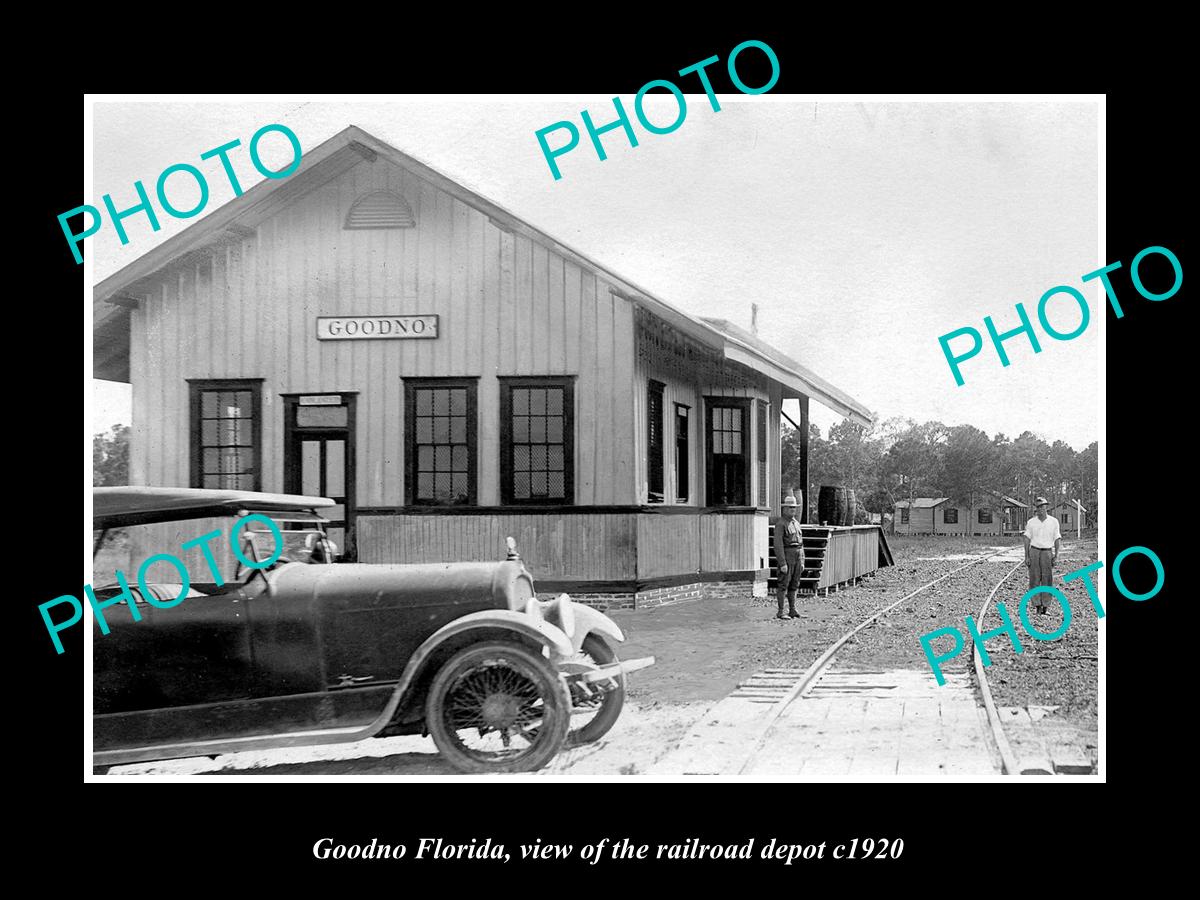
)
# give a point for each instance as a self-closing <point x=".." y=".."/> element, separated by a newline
<point x="804" y="459"/>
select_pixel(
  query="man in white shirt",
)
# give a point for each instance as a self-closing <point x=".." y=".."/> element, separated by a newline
<point x="1042" y="543"/>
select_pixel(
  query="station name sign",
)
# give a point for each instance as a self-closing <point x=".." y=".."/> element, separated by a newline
<point x="358" y="328"/>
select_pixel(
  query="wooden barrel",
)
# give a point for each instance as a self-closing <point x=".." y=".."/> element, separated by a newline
<point x="831" y="505"/>
<point x="850" y="507"/>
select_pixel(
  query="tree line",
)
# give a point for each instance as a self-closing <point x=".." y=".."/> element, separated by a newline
<point x="899" y="459"/>
<point x="110" y="456"/>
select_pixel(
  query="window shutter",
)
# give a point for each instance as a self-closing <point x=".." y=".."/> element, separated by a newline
<point x="655" y="443"/>
<point x="762" y="452"/>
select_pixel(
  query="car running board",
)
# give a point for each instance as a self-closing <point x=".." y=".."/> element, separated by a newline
<point x="612" y="671"/>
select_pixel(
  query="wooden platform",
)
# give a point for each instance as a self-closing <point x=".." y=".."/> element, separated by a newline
<point x="1046" y="745"/>
<point x="835" y="555"/>
<point x="850" y="725"/>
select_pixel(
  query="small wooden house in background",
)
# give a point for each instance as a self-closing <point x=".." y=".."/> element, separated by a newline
<point x="1071" y="515"/>
<point x="1011" y="515"/>
<point x="990" y="513"/>
<point x="919" y="515"/>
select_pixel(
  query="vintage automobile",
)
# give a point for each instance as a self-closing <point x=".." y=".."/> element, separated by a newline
<point x="308" y="651"/>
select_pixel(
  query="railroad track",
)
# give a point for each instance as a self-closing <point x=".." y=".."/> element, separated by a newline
<point x="1007" y="757"/>
<point x="1010" y="760"/>
<point x="821" y="666"/>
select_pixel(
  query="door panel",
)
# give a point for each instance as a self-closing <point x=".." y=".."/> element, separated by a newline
<point x="727" y="452"/>
<point x="319" y="459"/>
<point x="310" y="468"/>
<point x="195" y="652"/>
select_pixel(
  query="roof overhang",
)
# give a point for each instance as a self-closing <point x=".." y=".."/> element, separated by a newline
<point x="744" y="347"/>
<point x="796" y="383"/>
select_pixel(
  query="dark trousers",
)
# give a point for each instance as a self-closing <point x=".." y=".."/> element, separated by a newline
<point x="1041" y="571"/>
<point x="790" y="583"/>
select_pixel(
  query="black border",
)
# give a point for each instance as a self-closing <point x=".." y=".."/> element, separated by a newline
<point x="982" y="834"/>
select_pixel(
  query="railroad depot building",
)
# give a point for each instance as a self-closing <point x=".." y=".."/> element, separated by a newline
<point x="369" y="330"/>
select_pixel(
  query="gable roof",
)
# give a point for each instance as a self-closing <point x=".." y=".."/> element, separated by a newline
<point x="114" y="296"/>
<point x="1007" y="501"/>
<point x="1072" y="503"/>
<point x="923" y="502"/>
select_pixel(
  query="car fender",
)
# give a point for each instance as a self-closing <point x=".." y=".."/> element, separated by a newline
<point x="588" y="620"/>
<point x="545" y="633"/>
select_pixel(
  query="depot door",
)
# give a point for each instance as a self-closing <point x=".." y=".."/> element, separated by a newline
<point x="319" y="459"/>
<point x="727" y="451"/>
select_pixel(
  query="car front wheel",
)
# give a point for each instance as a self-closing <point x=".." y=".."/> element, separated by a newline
<point x="498" y="707"/>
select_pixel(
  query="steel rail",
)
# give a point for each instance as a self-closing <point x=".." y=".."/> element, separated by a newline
<point x="1008" y="759"/>
<point x="817" y="668"/>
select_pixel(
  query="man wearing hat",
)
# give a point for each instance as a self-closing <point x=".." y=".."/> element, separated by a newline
<point x="1042" y="543"/>
<point x="789" y="554"/>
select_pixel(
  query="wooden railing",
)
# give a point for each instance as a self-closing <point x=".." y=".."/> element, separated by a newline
<point x="834" y="555"/>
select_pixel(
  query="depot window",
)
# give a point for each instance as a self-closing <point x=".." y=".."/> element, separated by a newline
<point x="950" y="517"/>
<point x="226" y="434"/>
<point x="537" y="440"/>
<point x="761" y="432"/>
<point x="904" y="515"/>
<point x="985" y="517"/>
<point x="727" y="451"/>
<point x="655" y="443"/>
<point x="682" y="454"/>
<point x="440" y="461"/>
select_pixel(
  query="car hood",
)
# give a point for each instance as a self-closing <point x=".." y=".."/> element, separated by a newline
<point x="506" y="584"/>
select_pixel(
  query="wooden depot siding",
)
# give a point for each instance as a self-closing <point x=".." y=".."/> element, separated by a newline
<point x="690" y="387"/>
<point x="508" y="306"/>
<point x="674" y="391"/>
<point x="713" y="541"/>
<point x="727" y="542"/>
<point x="607" y="546"/>
<point x="598" y="546"/>
<point x="667" y="545"/>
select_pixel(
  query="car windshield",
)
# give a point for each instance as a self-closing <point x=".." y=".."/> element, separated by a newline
<point x="304" y="541"/>
<point x="126" y="549"/>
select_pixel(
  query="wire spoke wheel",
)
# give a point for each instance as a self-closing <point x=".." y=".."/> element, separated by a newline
<point x="594" y="714"/>
<point x="498" y="708"/>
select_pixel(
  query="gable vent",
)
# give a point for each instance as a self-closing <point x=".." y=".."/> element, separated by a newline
<point x="380" y="209"/>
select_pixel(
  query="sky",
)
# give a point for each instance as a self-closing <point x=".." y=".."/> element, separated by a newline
<point x="863" y="231"/>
